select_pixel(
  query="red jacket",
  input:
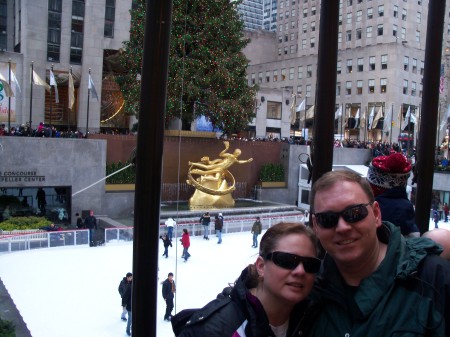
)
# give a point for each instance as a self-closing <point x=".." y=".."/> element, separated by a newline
<point x="185" y="240"/>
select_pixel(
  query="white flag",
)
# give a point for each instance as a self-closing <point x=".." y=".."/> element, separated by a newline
<point x="14" y="79"/>
<point x="338" y="113"/>
<point x="53" y="83"/>
<point x="91" y="88"/>
<point x="388" y="120"/>
<point x="406" y="120"/>
<point x="301" y="106"/>
<point x="38" y="81"/>
<point x="356" y="120"/>
<point x="445" y="119"/>
<point x="372" y="112"/>
<point x="378" y="116"/>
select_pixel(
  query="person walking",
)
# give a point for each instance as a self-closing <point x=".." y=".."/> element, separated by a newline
<point x="269" y="296"/>
<point x="373" y="282"/>
<point x="80" y="222"/>
<point x="218" y="225"/>
<point x="167" y="242"/>
<point x="204" y="221"/>
<point x="168" y="293"/>
<point x="186" y="243"/>
<point x="446" y="209"/>
<point x="170" y="224"/>
<point x="256" y="230"/>
<point x="91" y="223"/>
<point x="127" y="295"/>
<point x="436" y="218"/>
<point x="126" y="282"/>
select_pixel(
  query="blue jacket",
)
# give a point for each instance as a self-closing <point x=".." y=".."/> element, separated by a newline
<point x="408" y="294"/>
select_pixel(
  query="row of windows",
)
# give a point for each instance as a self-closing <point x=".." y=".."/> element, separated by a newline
<point x="371" y="87"/>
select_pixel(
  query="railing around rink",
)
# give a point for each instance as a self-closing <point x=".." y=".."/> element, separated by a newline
<point x="40" y="239"/>
<point x="124" y="234"/>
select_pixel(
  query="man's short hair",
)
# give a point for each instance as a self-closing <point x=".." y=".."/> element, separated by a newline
<point x="330" y="178"/>
<point x="170" y="274"/>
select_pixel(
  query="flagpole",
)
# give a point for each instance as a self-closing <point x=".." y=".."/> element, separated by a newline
<point x="365" y="124"/>
<point x="9" y="99"/>
<point x="438" y="141"/>
<point x="392" y="121"/>
<point x="342" y="123"/>
<point x="304" y="121"/>
<point x="409" y="131"/>
<point x="31" y="94"/>
<point x="87" y="114"/>
<point x="51" y="99"/>
<point x="400" y="120"/>
<point x="70" y="109"/>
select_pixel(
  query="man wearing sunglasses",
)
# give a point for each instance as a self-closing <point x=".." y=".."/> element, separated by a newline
<point x="373" y="281"/>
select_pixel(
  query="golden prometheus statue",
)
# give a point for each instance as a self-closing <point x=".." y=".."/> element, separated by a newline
<point x="212" y="181"/>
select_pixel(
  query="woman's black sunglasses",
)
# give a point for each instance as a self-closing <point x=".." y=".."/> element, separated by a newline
<point x="291" y="261"/>
<point x="351" y="214"/>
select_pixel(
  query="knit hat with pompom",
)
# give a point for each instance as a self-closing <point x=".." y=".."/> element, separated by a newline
<point x="386" y="172"/>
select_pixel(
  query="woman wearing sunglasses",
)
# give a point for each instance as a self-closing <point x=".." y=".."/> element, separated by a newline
<point x="267" y="293"/>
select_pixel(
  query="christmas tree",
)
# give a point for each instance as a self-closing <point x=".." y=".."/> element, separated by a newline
<point x="206" y="64"/>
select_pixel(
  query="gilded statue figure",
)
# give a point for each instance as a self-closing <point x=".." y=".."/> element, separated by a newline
<point x="212" y="180"/>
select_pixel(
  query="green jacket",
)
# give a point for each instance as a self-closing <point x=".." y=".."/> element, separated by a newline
<point x="408" y="295"/>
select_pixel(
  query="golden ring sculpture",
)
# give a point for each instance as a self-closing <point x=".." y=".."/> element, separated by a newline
<point x="226" y="174"/>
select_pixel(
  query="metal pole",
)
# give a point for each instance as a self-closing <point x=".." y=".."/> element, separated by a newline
<point x="149" y="156"/>
<point x="9" y="98"/>
<point x="430" y="103"/>
<point x="409" y="131"/>
<point x="31" y="94"/>
<point x="69" y="109"/>
<point x="304" y="120"/>
<point x="87" y="112"/>
<point x="325" y="89"/>
<point x="51" y="105"/>
<point x="392" y="121"/>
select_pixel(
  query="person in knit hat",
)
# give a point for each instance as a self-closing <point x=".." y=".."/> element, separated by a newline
<point x="388" y="177"/>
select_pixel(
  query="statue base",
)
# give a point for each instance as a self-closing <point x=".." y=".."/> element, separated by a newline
<point x="202" y="200"/>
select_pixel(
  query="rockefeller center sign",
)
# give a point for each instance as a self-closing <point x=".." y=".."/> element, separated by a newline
<point x="21" y="176"/>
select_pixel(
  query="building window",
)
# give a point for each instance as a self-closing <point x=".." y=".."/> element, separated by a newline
<point x="394" y="30"/>
<point x="305" y="28"/>
<point x="371" y="87"/>
<point x="339" y="67"/>
<point x="395" y="11"/>
<point x="405" y="63"/>
<point x="360" y="64"/>
<point x="349" y="2"/>
<point x="76" y="40"/>
<point x="260" y="78"/>
<point x="413" y="88"/>
<point x="253" y="78"/>
<point x="110" y="17"/>
<point x="419" y="17"/>
<point x="305" y="12"/>
<point x="54" y="30"/>
<point x="300" y="72"/>
<point x="279" y="51"/>
<point x="358" y="16"/>
<point x="3" y="27"/>
<point x="372" y="63"/>
<point x="291" y="73"/>
<point x="275" y="75"/>
<point x="292" y="47"/>
<point x="380" y="30"/>
<point x="283" y="74"/>
<point x="383" y="85"/>
<point x="309" y="71"/>
<point x="405" y="87"/>
<point x="286" y="15"/>
<point x="292" y="36"/>
<point x="348" y="35"/>
<point x="292" y="24"/>
<point x="417" y="36"/>
<point x="280" y="39"/>
<point x="349" y="18"/>
<point x="312" y="42"/>
<point x="359" y="87"/>
<point x="273" y="110"/>
<point x="293" y="12"/>
<point x="338" y="88"/>
<point x="267" y="76"/>
<point x="339" y="37"/>
<point x="403" y="36"/>
<point x="304" y="44"/>
<point x="308" y="90"/>
<point x="381" y="10"/>
<point x="285" y="50"/>
<point x="349" y="66"/>
<point x="286" y="38"/>
<point x="384" y="60"/>
<point x="404" y="14"/>
<point x="348" y="87"/>
<point x="370" y="13"/>
<point x="313" y="26"/>
<point x="340" y="20"/>
<point x="299" y="89"/>
<point x="422" y="66"/>
<point x="358" y="33"/>
<point x="369" y="31"/>
<point x="414" y="66"/>
<point x="313" y="10"/>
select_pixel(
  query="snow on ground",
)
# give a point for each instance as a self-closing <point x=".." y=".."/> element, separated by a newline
<point x="72" y="292"/>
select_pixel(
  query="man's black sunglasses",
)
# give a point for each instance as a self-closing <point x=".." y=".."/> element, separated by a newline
<point x="291" y="261"/>
<point x="350" y="214"/>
